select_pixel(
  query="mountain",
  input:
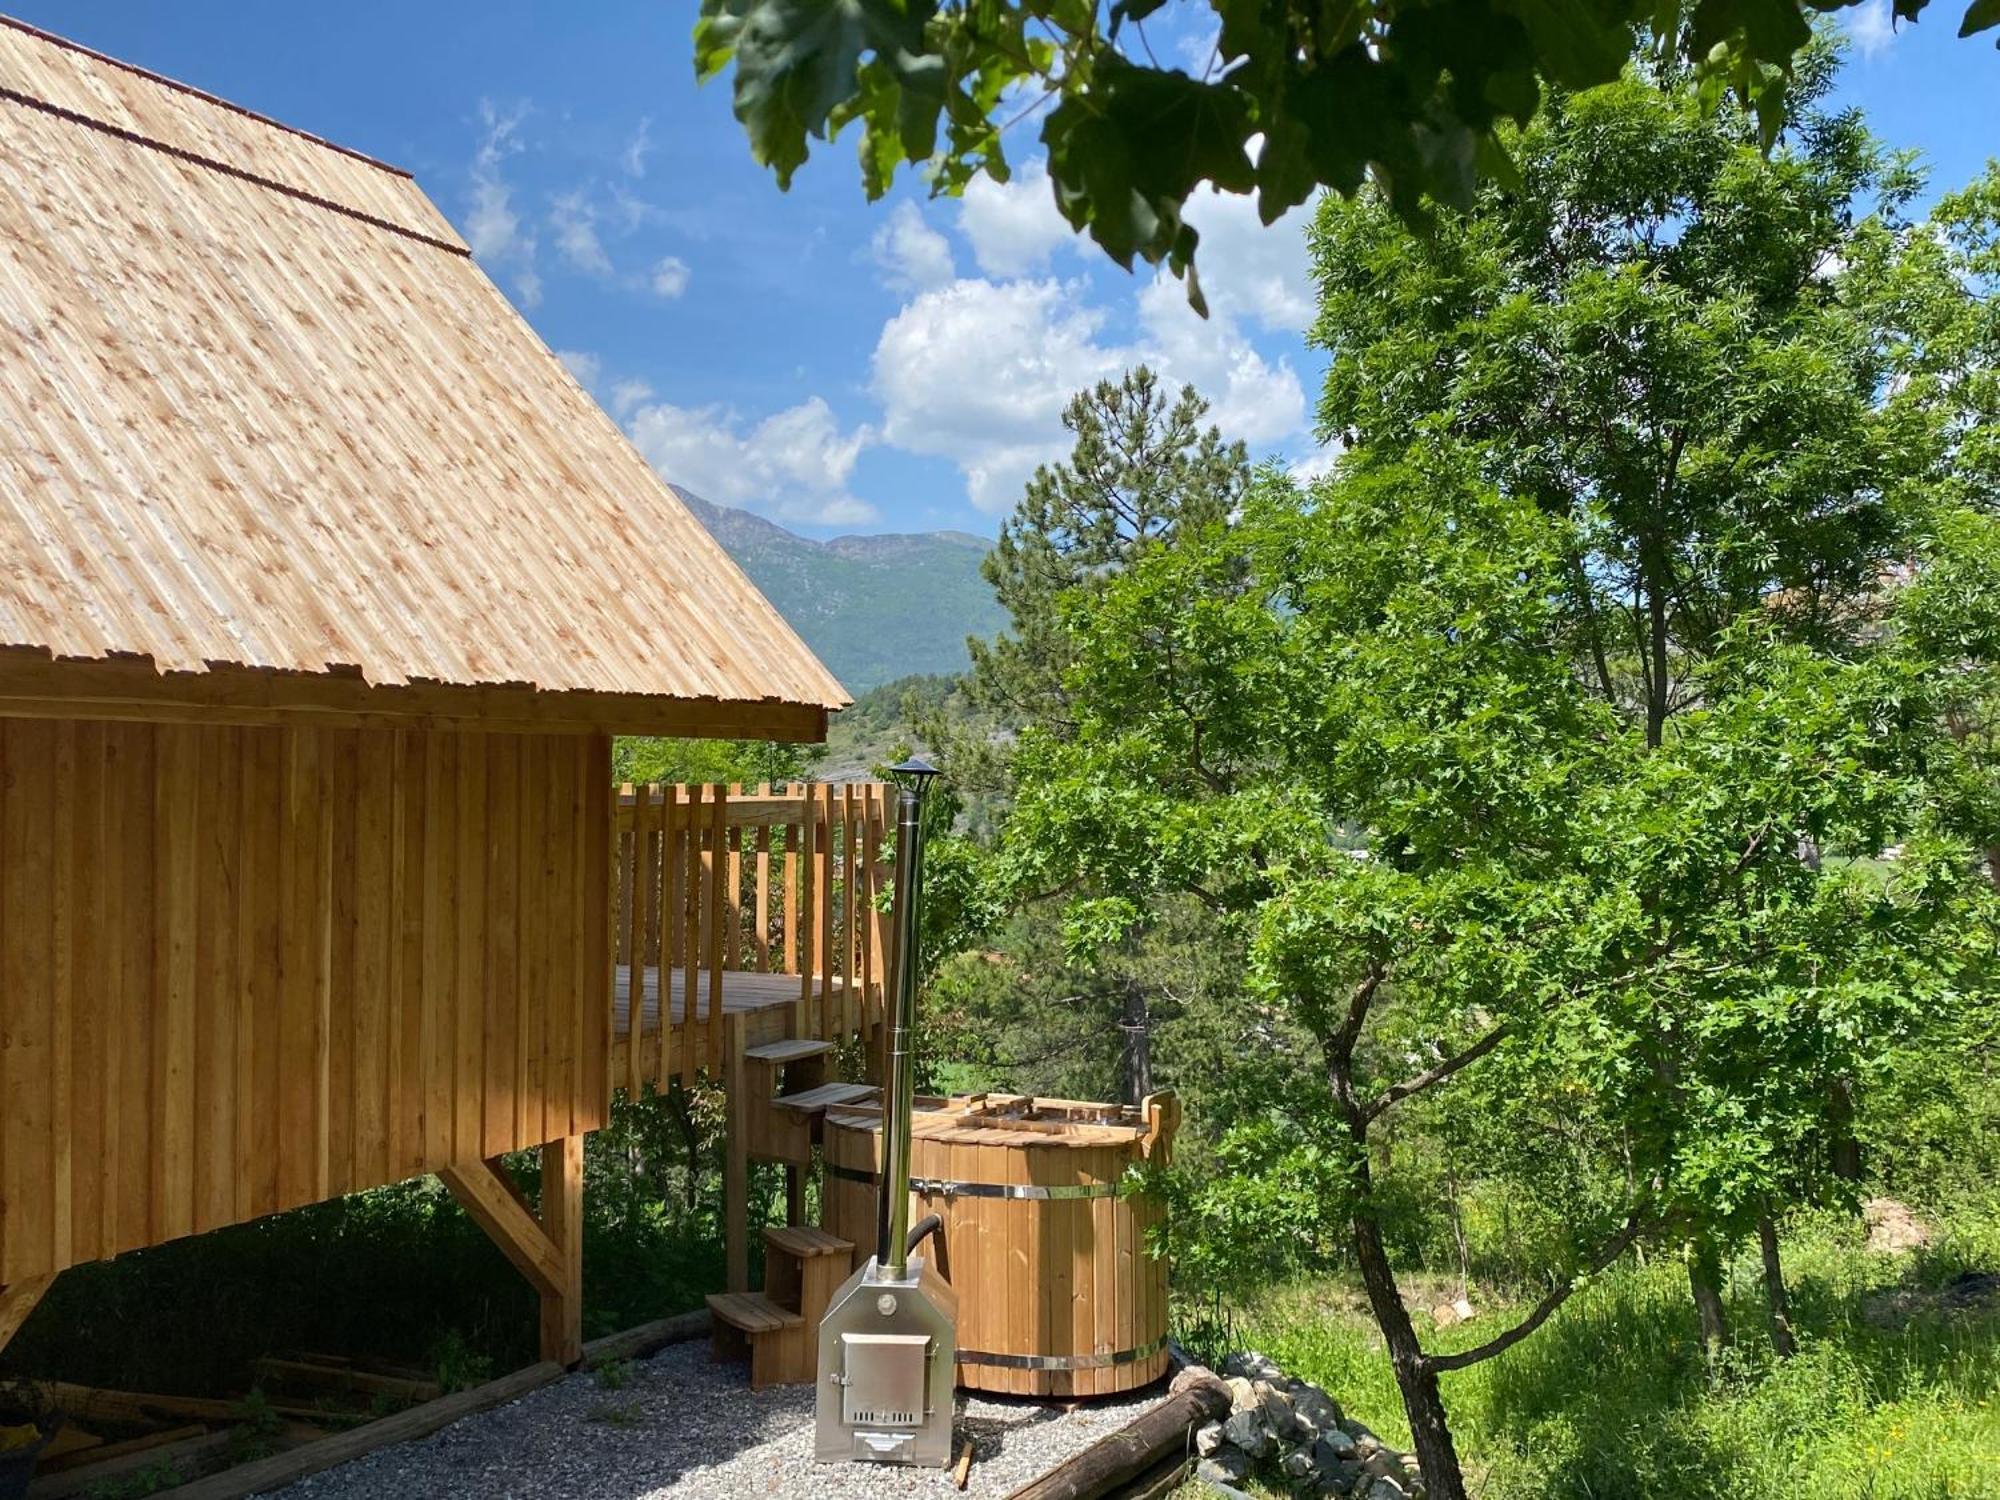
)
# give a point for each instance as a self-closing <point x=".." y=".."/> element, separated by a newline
<point x="874" y="608"/>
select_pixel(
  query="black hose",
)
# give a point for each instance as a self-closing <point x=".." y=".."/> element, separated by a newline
<point x="922" y="1230"/>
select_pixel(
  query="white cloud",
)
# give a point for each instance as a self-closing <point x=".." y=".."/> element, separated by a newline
<point x="1250" y="269"/>
<point x="912" y="256"/>
<point x="628" y="394"/>
<point x="1013" y="227"/>
<point x="583" y="366"/>
<point x="1317" y="465"/>
<point x="637" y="149"/>
<point x="1872" y="25"/>
<point x="1250" y="397"/>
<point x="979" y="372"/>
<point x="793" y="465"/>
<point x="575" y="224"/>
<point x="670" y="276"/>
<point x="492" y="228"/>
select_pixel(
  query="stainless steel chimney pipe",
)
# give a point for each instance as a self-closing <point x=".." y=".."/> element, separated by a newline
<point x="892" y="1220"/>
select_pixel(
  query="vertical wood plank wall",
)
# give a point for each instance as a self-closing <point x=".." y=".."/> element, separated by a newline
<point x="246" y="969"/>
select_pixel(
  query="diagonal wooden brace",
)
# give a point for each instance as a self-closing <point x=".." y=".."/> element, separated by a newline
<point x="549" y="1250"/>
<point x="17" y="1300"/>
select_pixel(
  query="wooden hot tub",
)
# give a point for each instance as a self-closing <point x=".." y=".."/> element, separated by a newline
<point x="1056" y="1293"/>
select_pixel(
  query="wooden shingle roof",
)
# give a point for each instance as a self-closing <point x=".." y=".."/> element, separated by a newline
<point x="270" y="443"/>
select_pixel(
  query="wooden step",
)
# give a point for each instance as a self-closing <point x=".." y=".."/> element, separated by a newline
<point x="805" y="1241"/>
<point x="789" y="1050"/>
<point x="825" y="1097"/>
<point x="753" y="1312"/>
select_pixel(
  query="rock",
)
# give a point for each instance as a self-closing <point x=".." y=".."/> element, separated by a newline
<point x="1189" y="1375"/>
<point x="1444" y="1315"/>
<point x="1228" y="1464"/>
<point x="1247" y="1431"/>
<point x="1384" y="1488"/>
<point x="1892" y="1228"/>
<point x="1366" y="1444"/>
<point x="1298" y="1464"/>
<point x="1334" y="1446"/>
<point x="1242" y="1394"/>
<point x="1253" y="1366"/>
<point x="1340" y="1477"/>
<point x="1276" y="1407"/>
<point x="1312" y="1407"/>
<point x="1207" y="1438"/>
<point x="1464" y="1310"/>
<point x="1385" y="1463"/>
<point x="1225" y="1489"/>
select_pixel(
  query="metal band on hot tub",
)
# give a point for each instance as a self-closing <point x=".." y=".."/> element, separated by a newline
<point x="1061" y="1361"/>
<point x="929" y="1186"/>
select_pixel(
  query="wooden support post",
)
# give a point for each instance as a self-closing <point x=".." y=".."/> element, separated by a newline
<point x="562" y="1220"/>
<point x="17" y="1300"/>
<point x="736" y="1157"/>
<point x="549" y="1251"/>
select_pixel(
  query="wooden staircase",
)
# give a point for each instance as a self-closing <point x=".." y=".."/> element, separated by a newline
<point x="779" y="1096"/>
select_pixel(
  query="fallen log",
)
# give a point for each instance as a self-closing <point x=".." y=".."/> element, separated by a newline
<point x="345" y="1380"/>
<point x="1138" y="1447"/>
<point x="404" y="1426"/>
<point x="190" y="1452"/>
<point x="56" y="1459"/>
<point x="421" y="1421"/>
<point x="646" y="1339"/>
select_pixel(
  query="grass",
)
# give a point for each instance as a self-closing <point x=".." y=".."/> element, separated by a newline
<point x="1613" y="1399"/>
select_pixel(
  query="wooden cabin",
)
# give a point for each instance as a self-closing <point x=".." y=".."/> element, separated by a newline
<point x="325" y="588"/>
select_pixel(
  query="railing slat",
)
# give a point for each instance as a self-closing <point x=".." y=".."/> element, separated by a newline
<point x="715" y="866"/>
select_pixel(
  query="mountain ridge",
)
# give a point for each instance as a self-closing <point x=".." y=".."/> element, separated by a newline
<point x="873" y="608"/>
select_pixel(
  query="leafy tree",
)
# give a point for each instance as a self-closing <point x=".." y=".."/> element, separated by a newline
<point x="1547" y="907"/>
<point x="1747" y="381"/>
<point x="1294" y="96"/>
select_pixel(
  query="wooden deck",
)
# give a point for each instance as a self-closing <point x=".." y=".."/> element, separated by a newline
<point x="767" y="1004"/>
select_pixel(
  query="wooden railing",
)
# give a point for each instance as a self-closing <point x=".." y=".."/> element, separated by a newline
<point x="715" y="881"/>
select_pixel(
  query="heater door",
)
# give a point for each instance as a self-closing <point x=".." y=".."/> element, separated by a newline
<point x="886" y="1378"/>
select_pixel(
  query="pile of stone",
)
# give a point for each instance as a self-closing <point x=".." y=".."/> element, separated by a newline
<point x="1293" y="1434"/>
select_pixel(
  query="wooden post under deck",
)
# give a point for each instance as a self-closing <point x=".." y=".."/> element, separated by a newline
<point x="548" y="1251"/>
<point x="735" y="1161"/>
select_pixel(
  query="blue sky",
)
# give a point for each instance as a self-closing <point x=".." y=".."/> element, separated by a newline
<point x="835" y="365"/>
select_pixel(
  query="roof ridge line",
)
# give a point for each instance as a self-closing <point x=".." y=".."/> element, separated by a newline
<point x="203" y="94"/>
<point x="228" y="169"/>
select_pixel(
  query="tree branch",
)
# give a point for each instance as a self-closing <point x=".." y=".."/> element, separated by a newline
<point x="1439" y="1073"/>
<point x="1609" y="1251"/>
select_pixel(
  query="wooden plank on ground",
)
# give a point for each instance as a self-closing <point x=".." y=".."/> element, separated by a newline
<point x="189" y="1448"/>
<point x="403" y="1427"/>
<point x="647" y="1339"/>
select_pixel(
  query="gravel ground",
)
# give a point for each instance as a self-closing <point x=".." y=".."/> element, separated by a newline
<point x="683" y="1428"/>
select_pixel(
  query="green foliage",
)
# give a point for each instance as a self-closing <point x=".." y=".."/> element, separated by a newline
<point x="1614" y="1396"/>
<point x="1420" y="100"/>
<point x="255" y="1434"/>
<point x="614" y="1374"/>
<point x="747" y="762"/>
<point x="137" y="1485"/>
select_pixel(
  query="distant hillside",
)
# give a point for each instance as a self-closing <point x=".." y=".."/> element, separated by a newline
<point x="874" y="608"/>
